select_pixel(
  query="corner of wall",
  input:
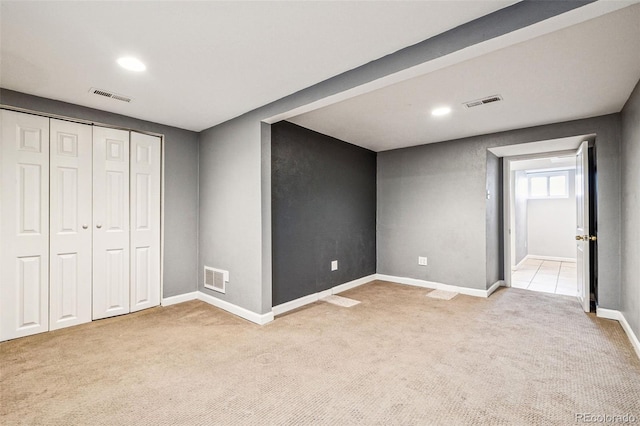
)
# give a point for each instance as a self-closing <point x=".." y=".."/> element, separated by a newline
<point x="265" y="136"/>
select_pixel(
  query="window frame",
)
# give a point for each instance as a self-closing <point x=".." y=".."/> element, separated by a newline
<point x="548" y="175"/>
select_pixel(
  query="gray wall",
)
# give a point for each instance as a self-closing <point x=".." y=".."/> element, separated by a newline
<point x="521" y="236"/>
<point x="431" y="201"/>
<point x="231" y="210"/>
<point x="494" y="220"/>
<point x="630" y="171"/>
<point x="181" y="183"/>
<point x="323" y="209"/>
<point x="240" y="149"/>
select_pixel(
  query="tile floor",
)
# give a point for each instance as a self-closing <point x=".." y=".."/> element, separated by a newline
<point x="547" y="276"/>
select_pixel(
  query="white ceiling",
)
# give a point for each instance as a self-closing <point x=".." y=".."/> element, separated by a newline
<point x="207" y="61"/>
<point x="580" y="71"/>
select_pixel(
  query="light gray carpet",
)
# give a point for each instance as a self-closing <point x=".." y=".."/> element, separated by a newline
<point x="397" y="358"/>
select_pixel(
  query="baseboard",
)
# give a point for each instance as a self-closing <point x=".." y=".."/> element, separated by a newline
<point x="306" y="300"/>
<point x="619" y="316"/>
<point x="494" y="287"/>
<point x="311" y="298"/>
<point x="260" y="319"/>
<point x="515" y="268"/>
<point x="555" y="258"/>
<point x="294" y="304"/>
<point x="172" y="300"/>
<point x="439" y="286"/>
<point x="353" y="284"/>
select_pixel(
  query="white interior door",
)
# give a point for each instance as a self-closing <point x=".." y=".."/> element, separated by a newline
<point x="145" y="221"/>
<point x="70" y="224"/>
<point x="582" y="225"/>
<point x="24" y="225"/>
<point x="110" y="222"/>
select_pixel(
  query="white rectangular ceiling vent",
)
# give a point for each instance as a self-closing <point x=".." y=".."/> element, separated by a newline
<point x="108" y="94"/>
<point x="215" y="279"/>
<point x="483" y="101"/>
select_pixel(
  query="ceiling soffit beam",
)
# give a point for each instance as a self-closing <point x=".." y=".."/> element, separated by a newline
<point x="410" y="61"/>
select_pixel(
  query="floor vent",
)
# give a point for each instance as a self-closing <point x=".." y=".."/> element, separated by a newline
<point x="215" y="279"/>
<point x="483" y="101"/>
<point x="108" y="94"/>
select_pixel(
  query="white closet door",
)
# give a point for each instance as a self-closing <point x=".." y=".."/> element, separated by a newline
<point x="110" y="222"/>
<point x="24" y="225"/>
<point x="145" y="221"/>
<point x="70" y="224"/>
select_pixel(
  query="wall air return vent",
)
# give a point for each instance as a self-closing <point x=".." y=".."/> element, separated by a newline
<point x="215" y="279"/>
<point x="483" y="101"/>
<point x="108" y="94"/>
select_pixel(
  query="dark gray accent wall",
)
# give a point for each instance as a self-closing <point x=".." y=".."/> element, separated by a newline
<point x="323" y="209"/>
<point x="431" y="202"/>
<point x="494" y="221"/>
<point x="630" y="171"/>
<point x="181" y="183"/>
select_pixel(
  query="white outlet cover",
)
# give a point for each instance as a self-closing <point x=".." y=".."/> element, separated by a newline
<point x="334" y="265"/>
<point x="422" y="261"/>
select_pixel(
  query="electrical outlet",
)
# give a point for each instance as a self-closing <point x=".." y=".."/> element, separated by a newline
<point x="422" y="260"/>
<point x="334" y="265"/>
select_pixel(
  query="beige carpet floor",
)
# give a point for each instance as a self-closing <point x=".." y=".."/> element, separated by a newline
<point x="398" y="358"/>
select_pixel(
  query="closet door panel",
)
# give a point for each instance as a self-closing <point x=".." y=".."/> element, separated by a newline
<point x="110" y="222"/>
<point x="70" y="224"/>
<point x="145" y="221"/>
<point x="24" y="224"/>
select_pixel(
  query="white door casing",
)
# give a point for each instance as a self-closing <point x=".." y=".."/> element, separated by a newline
<point x="145" y="221"/>
<point x="70" y="224"/>
<point x="582" y="225"/>
<point x="110" y="222"/>
<point x="24" y="224"/>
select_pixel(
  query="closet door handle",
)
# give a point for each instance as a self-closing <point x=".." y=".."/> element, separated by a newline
<point x="98" y="226"/>
<point x="85" y="226"/>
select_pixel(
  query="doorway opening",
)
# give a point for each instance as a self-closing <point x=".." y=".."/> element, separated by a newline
<point x="543" y="225"/>
<point x="549" y="217"/>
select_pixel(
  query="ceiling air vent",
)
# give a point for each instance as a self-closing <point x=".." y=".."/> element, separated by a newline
<point x="483" y="101"/>
<point x="108" y="94"/>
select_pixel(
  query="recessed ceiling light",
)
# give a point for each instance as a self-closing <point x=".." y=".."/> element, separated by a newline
<point x="132" y="64"/>
<point x="438" y="112"/>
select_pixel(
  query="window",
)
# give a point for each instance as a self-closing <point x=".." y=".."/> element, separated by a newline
<point x="548" y="184"/>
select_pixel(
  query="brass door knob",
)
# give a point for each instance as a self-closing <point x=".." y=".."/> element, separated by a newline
<point x="579" y="237"/>
<point x="592" y="238"/>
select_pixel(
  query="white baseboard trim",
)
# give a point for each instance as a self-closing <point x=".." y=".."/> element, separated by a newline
<point x="294" y="304"/>
<point x="439" y="286"/>
<point x="260" y="319"/>
<point x="353" y="284"/>
<point x="557" y="259"/>
<point x="494" y="287"/>
<point x="619" y="316"/>
<point x="306" y="300"/>
<point x="172" y="300"/>
<point x="515" y="268"/>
